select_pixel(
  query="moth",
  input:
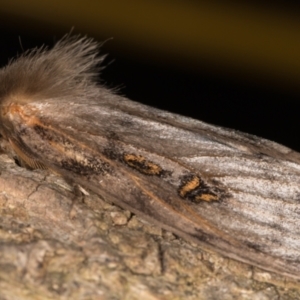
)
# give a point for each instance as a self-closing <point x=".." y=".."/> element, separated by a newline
<point x="233" y="193"/>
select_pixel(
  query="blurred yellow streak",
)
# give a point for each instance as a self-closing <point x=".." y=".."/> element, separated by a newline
<point x="258" y="41"/>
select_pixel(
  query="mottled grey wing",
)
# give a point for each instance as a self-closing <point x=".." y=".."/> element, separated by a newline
<point x="232" y="192"/>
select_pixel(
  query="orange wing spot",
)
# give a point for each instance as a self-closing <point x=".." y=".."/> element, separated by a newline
<point x="206" y="197"/>
<point x="189" y="186"/>
<point x="141" y="164"/>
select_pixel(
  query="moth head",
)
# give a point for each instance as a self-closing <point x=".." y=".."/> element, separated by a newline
<point x="69" y="69"/>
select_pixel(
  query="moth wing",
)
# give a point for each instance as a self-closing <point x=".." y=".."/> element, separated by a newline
<point x="232" y="192"/>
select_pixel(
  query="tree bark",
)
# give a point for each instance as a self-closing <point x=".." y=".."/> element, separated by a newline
<point x="52" y="247"/>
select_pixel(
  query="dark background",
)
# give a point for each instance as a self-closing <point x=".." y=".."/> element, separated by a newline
<point x="206" y="89"/>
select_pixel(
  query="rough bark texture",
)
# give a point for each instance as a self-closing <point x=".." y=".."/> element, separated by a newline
<point x="52" y="249"/>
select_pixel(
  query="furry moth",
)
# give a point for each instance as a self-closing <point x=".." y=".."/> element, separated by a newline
<point x="233" y="193"/>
